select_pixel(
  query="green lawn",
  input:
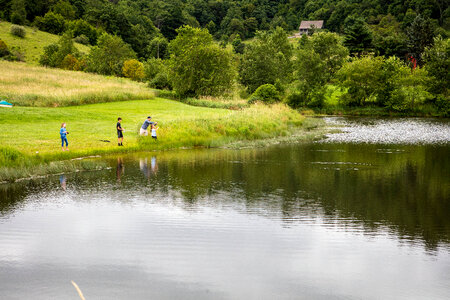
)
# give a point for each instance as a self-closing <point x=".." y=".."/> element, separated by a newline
<point x="34" y="42"/>
<point x="37" y="129"/>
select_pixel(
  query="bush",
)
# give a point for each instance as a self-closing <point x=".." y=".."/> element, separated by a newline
<point x="18" y="30"/>
<point x="161" y="81"/>
<point x="296" y="100"/>
<point x="266" y="93"/>
<point x="133" y="69"/>
<point x="51" y="22"/>
<point x="152" y="67"/>
<point x="3" y="49"/>
<point x="54" y="54"/>
<point x="81" y="27"/>
<point x="81" y="39"/>
<point x="69" y="62"/>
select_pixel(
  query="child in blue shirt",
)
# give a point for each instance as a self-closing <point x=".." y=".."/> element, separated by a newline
<point x="63" y="132"/>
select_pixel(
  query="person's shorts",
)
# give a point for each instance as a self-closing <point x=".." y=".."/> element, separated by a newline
<point x="143" y="132"/>
<point x="119" y="134"/>
<point x="154" y="137"/>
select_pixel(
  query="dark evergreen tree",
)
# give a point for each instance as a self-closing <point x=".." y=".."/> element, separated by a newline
<point x="358" y="37"/>
<point x="419" y="36"/>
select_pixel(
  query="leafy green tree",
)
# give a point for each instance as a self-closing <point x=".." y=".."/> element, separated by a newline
<point x="109" y="55"/>
<point x="54" y="54"/>
<point x="358" y="37"/>
<point x="437" y="63"/>
<point x="266" y="59"/>
<point x="158" y="47"/>
<point x="388" y="37"/>
<point x="64" y="9"/>
<point x="437" y="59"/>
<point x="238" y="45"/>
<point x="197" y="65"/>
<point x="362" y="79"/>
<point x="319" y="57"/>
<point x="51" y="22"/>
<point x="18" y="12"/>
<point x="411" y="93"/>
<point x="419" y="36"/>
<point x="81" y="27"/>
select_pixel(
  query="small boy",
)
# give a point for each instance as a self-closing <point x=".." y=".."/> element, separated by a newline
<point x="154" y="128"/>
<point x="119" y="132"/>
<point x="63" y="132"/>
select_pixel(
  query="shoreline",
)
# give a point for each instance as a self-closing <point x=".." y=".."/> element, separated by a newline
<point x="90" y="160"/>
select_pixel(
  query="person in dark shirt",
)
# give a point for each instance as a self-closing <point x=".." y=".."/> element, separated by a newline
<point x="119" y="132"/>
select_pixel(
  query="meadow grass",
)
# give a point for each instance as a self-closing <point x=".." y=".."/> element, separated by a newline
<point x="33" y="43"/>
<point x="30" y="135"/>
<point x="27" y="85"/>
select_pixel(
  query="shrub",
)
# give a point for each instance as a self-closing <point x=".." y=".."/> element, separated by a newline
<point x="152" y="67"/>
<point x="161" y="81"/>
<point x="3" y="49"/>
<point x="18" y="30"/>
<point x="296" y="100"/>
<point x="133" y="69"/>
<point x="81" y="27"/>
<point x="15" y="54"/>
<point x="69" y="62"/>
<point x="266" y="93"/>
<point x="51" y="22"/>
<point x="54" y="54"/>
<point x="81" y="39"/>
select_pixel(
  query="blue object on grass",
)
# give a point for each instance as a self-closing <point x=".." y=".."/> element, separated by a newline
<point x="3" y="103"/>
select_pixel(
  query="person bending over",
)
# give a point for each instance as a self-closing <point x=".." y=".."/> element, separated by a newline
<point x="143" y="131"/>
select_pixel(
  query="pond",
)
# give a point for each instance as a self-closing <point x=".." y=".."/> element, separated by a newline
<point x="349" y="218"/>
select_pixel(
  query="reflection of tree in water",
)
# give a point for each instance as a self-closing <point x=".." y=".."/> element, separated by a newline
<point x="350" y="186"/>
<point x="356" y="186"/>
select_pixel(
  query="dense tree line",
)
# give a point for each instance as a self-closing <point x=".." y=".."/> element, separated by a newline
<point x="391" y="54"/>
<point x="148" y="25"/>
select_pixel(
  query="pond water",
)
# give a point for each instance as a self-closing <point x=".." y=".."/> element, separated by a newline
<point x="343" y="219"/>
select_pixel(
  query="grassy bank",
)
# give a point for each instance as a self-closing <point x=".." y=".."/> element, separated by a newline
<point x="34" y="42"/>
<point x="30" y="135"/>
<point x="26" y="85"/>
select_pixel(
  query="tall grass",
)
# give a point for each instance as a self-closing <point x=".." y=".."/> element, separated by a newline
<point x="26" y="85"/>
<point x="256" y="122"/>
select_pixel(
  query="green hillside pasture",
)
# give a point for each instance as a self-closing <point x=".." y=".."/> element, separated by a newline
<point x="27" y="85"/>
<point x="34" y="42"/>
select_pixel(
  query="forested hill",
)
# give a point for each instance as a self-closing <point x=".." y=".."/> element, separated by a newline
<point x="143" y="23"/>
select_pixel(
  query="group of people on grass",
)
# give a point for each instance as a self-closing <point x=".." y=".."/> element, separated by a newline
<point x="143" y="132"/>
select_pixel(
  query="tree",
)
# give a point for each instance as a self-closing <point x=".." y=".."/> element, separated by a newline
<point x="64" y="9"/>
<point x="388" y="38"/>
<point x="51" y="22"/>
<point x="362" y="79"/>
<point x="266" y="60"/>
<point x="81" y="27"/>
<point x="109" y="55"/>
<point x="133" y="69"/>
<point x="238" y="45"/>
<point x="197" y="65"/>
<point x="437" y="63"/>
<point x="319" y="57"/>
<point x="419" y="36"/>
<point x="54" y="54"/>
<point x="358" y="37"/>
<point x="18" y="12"/>
<point x="158" y="47"/>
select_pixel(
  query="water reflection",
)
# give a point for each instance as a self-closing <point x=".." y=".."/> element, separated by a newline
<point x="310" y="220"/>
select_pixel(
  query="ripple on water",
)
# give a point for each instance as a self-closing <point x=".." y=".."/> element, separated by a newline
<point x="389" y="131"/>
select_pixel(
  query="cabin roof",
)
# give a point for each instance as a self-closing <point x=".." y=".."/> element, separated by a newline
<point x="308" y="24"/>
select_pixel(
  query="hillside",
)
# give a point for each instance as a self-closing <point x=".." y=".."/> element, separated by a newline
<point x="26" y="85"/>
<point x="34" y="42"/>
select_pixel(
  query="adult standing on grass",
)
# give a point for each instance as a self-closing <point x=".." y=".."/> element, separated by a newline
<point x="143" y="131"/>
<point x="119" y="132"/>
<point x="63" y="132"/>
